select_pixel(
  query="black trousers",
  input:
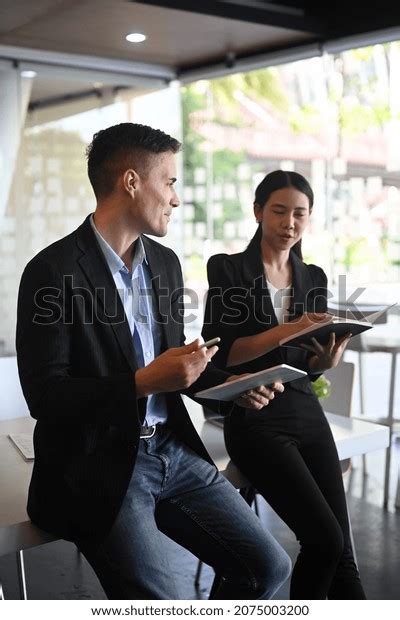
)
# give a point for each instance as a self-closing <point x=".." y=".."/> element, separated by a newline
<point x="287" y="451"/>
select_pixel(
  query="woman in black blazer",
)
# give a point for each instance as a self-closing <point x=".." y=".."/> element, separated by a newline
<point x="287" y="451"/>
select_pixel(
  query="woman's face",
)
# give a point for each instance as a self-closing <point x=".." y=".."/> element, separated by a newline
<point x="283" y="217"/>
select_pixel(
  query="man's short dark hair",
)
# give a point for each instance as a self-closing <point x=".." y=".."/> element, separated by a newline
<point x="117" y="148"/>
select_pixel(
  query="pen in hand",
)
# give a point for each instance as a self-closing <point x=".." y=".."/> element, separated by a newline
<point x="210" y="343"/>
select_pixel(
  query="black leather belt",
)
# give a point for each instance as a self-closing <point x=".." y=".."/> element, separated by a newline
<point x="146" y="432"/>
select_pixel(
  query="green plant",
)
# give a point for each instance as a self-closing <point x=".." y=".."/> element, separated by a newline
<point x="321" y="387"/>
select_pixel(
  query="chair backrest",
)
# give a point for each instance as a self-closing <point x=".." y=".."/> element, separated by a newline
<point x="12" y="401"/>
<point x="357" y="343"/>
<point x="341" y="395"/>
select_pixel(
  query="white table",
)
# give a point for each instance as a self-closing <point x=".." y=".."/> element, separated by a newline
<point x="15" y="474"/>
<point x="16" y="531"/>
<point x="352" y="437"/>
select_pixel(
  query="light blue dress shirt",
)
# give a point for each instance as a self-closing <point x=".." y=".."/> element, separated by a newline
<point x="135" y="290"/>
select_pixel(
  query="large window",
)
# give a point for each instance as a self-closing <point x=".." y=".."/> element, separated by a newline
<point x="51" y="194"/>
<point x="334" y="119"/>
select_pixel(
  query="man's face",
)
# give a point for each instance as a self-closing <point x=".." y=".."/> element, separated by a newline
<point x="155" y="195"/>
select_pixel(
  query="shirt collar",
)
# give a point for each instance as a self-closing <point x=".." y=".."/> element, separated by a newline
<point x="114" y="261"/>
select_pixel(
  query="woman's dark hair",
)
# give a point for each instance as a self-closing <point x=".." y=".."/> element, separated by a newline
<point x="279" y="179"/>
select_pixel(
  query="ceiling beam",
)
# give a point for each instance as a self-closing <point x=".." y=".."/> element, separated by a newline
<point x="364" y="39"/>
<point x="99" y="93"/>
<point x="87" y="63"/>
<point x="250" y="62"/>
<point x="256" y="12"/>
<point x="286" y="54"/>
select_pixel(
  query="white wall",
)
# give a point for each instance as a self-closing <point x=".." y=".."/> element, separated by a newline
<point x="12" y="401"/>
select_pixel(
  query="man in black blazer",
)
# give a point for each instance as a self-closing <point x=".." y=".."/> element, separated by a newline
<point x="102" y="360"/>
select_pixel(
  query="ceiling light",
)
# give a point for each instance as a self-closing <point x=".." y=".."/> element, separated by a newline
<point x="136" y="37"/>
<point x="28" y="74"/>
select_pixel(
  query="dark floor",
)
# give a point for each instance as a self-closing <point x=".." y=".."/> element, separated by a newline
<point x="57" y="571"/>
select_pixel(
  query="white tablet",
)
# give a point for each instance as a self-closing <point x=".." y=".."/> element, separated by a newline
<point x="233" y="389"/>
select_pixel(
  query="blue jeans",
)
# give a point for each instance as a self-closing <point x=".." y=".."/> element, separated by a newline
<point x="174" y="492"/>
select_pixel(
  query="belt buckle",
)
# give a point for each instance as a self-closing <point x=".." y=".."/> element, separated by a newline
<point x="153" y="427"/>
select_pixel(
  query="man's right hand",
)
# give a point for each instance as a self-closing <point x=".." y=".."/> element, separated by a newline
<point x="175" y="369"/>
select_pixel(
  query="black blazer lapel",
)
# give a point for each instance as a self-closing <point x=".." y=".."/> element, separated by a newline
<point x="254" y="278"/>
<point x="161" y="288"/>
<point x="301" y="285"/>
<point x="94" y="265"/>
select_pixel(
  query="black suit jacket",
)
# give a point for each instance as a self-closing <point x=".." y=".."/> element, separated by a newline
<point x="76" y="363"/>
<point x="239" y="304"/>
